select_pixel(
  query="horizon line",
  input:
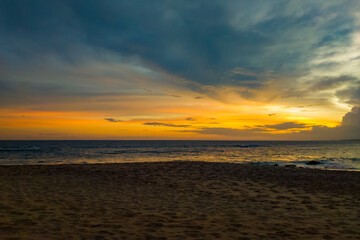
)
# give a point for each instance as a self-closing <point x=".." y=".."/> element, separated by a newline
<point x="210" y="140"/>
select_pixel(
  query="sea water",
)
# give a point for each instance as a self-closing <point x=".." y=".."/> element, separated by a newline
<point x="329" y="154"/>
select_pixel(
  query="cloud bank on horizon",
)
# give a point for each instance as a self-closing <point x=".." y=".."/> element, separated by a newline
<point x="263" y="69"/>
<point x="349" y="129"/>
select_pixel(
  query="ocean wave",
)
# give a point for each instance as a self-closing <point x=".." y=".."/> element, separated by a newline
<point x="247" y="146"/>
<point x="18" y="149"/>
<point x="149" y="152"/>
<point x="331" y="159"/>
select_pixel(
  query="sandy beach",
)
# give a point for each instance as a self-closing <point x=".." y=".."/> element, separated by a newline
<point x="177" y="200"/>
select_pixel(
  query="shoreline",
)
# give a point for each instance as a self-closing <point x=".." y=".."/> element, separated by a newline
<point x="177" y="200"/>
<point x="275" y="164"/>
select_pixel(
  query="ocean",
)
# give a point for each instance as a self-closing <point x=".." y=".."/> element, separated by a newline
<point x="336" y="155"/>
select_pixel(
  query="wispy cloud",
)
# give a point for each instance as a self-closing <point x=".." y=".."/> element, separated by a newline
<point x="165" y="124"/>
<point x="190" y="119"/>
<point x="327" y="83"/>
<point x="112" y="120"/>
<point x="284" y="126"/>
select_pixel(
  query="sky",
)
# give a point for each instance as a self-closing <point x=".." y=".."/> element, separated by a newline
<point x="166" y="69"/>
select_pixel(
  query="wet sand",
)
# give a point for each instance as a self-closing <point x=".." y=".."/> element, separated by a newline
<point x="177" y="200"/>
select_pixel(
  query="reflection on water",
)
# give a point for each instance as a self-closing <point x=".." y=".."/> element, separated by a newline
<point x="329" y="154"/>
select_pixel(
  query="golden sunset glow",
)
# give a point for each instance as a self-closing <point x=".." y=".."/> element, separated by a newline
<point x="168" y="119"/>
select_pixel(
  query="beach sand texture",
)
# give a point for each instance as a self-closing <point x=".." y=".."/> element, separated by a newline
<point x="177" y="200"/>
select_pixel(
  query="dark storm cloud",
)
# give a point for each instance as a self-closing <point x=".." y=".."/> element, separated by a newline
<point x="164" y="124"/>
<point x="352" y="119"/>
<point x="349" y="128"/>
<point x="200" y="40"/>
